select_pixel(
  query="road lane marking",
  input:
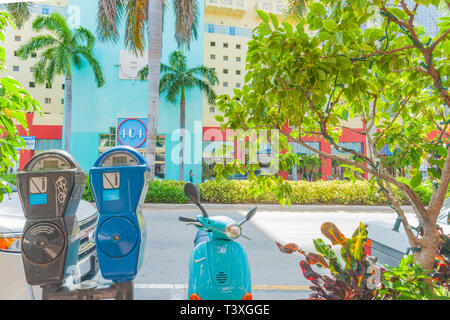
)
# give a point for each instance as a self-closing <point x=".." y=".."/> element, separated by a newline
<point x="271" y="287"/>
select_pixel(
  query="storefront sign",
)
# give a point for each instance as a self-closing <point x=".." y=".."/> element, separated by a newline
<point x="131" y="132"/>
<point x="30" y="142"/>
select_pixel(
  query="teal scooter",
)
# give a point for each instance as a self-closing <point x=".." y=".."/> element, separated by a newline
<point x="218" y="266"/>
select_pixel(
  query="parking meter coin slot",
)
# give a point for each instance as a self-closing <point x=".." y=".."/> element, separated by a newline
<point x="43" y="243"/>
<point x="117" y="237"/>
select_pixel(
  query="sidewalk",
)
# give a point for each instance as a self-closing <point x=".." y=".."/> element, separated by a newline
<point x="273" y="207"/>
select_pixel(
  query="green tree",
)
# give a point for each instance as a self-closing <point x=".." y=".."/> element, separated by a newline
<point x="20" y="11"/>
<point x="61" y="49"/>
<point x="336" y="65"/>
<point x="175" y="80"/>
<point x="140" y="14"/>
<point x="15" y="102"/>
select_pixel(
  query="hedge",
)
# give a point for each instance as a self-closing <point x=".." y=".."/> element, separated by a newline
<point x="303" y="192"/>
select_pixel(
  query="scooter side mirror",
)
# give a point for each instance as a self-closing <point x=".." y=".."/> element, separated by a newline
<point x="191" y="191"/>
<point x="249" y="215"/>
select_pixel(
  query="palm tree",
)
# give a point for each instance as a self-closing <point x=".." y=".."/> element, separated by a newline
<point x="139" y="14"/>
<point x="176" y="78"/>
<point x="60" y="49"/>
<point x="20" y="12"/>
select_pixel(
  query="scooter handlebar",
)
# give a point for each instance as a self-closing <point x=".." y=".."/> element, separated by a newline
<point x="184" y="219"/>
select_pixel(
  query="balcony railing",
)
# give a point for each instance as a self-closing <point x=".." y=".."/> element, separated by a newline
<point x="277" y="7"/>
<point x="232" y="7"/>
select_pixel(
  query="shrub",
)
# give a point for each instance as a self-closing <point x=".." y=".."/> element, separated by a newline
<point x="166" y="191"/>
<point x="349" y="275"/>
<point x="303" y="192"/>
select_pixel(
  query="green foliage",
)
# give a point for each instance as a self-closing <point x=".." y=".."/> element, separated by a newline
<point x="408" y="282"/>
<point x="15" y="102"/>
<point x="302" y="192"/>
<point x="350" y="274"/>
<point x="328" y="69"/>
<point x="166" y="191"/>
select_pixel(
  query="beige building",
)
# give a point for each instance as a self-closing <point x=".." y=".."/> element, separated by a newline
<point x="51" y="98"/>
<point x="228" y="28"/>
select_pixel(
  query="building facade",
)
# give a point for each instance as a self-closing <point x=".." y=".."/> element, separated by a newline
<point x="45" y="130"/>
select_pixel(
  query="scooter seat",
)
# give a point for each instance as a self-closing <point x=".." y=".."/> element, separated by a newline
<point x="202" y="236"/>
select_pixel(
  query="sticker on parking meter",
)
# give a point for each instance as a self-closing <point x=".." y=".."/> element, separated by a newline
<point x="111" y="195"/>
<point x="111" y="180"/>
<point x="37" y="199"/>
<point x="38" y="185"/>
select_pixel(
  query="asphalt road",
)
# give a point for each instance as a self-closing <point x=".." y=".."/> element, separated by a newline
<point x="164" y="275"/>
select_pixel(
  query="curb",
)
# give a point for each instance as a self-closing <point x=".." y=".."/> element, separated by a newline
<point x="271" y="207"/>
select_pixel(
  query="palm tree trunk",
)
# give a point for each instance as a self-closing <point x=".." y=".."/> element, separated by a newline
<point x="182" y="134"/>
<point x="67" y="113"/>
<point x="155" y="17"/>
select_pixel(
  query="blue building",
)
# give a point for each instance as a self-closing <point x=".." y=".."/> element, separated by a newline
<point x="99" y="112"/>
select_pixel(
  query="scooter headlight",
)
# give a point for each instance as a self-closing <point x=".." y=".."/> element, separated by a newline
<point x="233" y="231"/>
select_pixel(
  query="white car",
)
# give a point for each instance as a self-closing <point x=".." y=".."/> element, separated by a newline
<point x="13" y="284"/>
<point x="389" y="246"/>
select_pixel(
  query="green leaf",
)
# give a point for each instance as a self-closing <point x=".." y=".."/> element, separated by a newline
<point x="317" y="8"/>
<point x="274" y="19"/>
<point x="343" y="63"/>
<point x="416" y="180"/>
<point x="330" y="25"/>
<point x="264" y="17"/>
<point x="219" y="118"/>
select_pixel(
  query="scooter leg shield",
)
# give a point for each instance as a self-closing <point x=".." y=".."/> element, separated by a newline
<point x="201" y="236"/>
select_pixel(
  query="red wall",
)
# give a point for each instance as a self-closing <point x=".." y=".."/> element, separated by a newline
<point x="40" y="132"/>
<point x="214" y="134"/>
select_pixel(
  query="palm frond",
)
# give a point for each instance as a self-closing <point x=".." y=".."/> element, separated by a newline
<point x="296" y="9"/>
<point x="135" y="25"/>
<point x="35" y="44"/>
<point x="83" y="34"/>
<point x="178" y="61"/>
<point x="207" y="89"/>
<point x="206" y="72"/>
<point x="20" y="12"/>
<point x="143" y="73"/>
<point x="93" y="62"/>
<point x="186" y="21"/>
<point x="109" y="16"/>
<point x="54" y="22"/>
<point x="39" y="71"/>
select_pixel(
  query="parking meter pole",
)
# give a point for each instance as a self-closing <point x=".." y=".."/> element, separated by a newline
<point x="117" y="291"/>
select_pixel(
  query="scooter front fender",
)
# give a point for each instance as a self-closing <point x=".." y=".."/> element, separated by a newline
<point x="219" y="270"/>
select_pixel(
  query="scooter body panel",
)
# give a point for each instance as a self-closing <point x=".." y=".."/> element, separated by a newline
<point x="219" y="270"/>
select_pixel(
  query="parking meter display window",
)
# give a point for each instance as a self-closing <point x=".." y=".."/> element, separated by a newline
<point x="119" y="159"/>
<point x="43" y="243"/>
<point x="118" y="237"/>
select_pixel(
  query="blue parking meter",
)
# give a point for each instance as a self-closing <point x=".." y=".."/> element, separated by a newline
<point x="119" y="182"/>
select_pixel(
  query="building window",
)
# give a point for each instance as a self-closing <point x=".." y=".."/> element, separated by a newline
<point x="212" y="43"/>
<point x="32" y="70"/>
<point x="16" y="68"/>
<point x="225" y="58"/>
<point x="225" y="71"/>
<point x="238" y="72"/>
<point x="15" y="53"/>
<point x="33" y="55"/>
<point x="48" y="85"/>
<point x="238" y="46"/>
<point x="225" y="45"/>
<point x="238" y="85"/>
<point x="238" y="59"/>
<point x="210" y="28"/>
<point x="212" y="109"/>
<point x="212" y="57"/>
<point x="31" y="85"/>
<point x="225" y="84"/>
<point x="48" y="100"/>
<point x="46" y="144"/>
<point x="63" y="86"/>
<point x="62" y="101"/>
<point x="18" y="38"/>
<point x="232" y="31"/>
